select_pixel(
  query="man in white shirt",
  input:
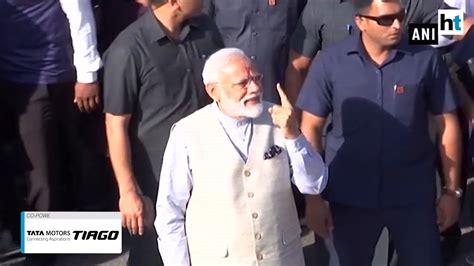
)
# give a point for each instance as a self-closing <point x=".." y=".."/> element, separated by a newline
<point x="225" y="196"/>
<point x="48" y="61"/>
<point x="86" y="57"/>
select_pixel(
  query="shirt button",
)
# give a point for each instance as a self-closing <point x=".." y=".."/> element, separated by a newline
<point x="250" y="194"/>
<point x="254" y="33"/>
<point x="188" y="70"/>
<point x="260" y="257"/>
<point x="257" y="11"/>
<point x="258" y="236"/>
<point x="247" y="173"/>
<point x="253" y="57"/>
<point x="377" y="71"/>
<point x="255" y="215"/>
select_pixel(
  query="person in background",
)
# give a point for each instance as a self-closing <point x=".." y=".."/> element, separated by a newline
<point x="151" y="80"/>
<point x="372" y="85"/>
<point x="48" y="74"/>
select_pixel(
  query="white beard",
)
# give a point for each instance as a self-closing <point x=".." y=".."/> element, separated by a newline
<point x="235" y="108"/>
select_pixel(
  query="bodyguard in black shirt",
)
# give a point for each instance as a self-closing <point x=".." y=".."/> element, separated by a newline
<point x="152" y="79"/>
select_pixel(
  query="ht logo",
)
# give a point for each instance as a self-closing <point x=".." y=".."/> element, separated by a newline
<point x="450" y="22"/>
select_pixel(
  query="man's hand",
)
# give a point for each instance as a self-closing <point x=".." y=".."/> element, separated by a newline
<point x="447" y="211"/>
<point x="284" y="116"/>
<point x="86" y="96"/>
<point x="132" y="208"/>
<point x="318" y="216"/>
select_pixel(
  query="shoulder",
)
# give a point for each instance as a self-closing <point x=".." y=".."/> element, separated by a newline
<point x="424" y="53"/>
<point x="126" y="42"/>
<point x="192" y="121"/>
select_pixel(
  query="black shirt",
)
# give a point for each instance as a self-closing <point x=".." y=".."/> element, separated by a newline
<point x="262" y="31"/>
<point x="326" y="22"/>
<point x="158" y="81"/>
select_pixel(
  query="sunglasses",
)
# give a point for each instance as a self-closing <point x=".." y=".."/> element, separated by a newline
<point x="386" y="20"/>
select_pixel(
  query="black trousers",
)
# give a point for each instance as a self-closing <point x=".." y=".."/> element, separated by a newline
<point x="413" y="230"/>
<point x="45" y="121"/>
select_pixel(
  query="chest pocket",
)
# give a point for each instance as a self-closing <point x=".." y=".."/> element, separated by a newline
<point x="407" y="102"/>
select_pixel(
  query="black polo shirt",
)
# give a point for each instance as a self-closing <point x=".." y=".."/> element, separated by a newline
<point x="262" y="31"/>
<point x="322" y="24"/>
<point x="157" y="81"/>
<point x="326" y="22"/>
<point x="379" y="151"/>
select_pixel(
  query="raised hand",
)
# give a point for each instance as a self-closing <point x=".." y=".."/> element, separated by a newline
<point x="284" y="116"/>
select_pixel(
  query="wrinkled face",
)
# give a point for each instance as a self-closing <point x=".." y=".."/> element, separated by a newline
<point x="239" y="90"/>
<point x="382" y="22"/>
<point x="190" y="8"/>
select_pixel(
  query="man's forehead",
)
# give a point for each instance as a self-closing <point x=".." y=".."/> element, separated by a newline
<point x="238" y="68"/>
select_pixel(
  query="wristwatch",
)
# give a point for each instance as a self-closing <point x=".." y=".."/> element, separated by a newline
<point x="458" y="192"/>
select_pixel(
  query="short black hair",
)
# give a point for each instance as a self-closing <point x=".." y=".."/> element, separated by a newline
<point x="362" y="6"/>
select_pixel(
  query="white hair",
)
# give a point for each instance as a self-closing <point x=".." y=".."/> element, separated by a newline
<point x="218" y="61"/>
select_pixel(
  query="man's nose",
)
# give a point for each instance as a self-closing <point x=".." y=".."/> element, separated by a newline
<point x="254" y="87"/>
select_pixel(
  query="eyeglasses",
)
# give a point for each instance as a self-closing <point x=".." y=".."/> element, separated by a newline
<point x="386" y="20"/>
<point x="246" y="82"/>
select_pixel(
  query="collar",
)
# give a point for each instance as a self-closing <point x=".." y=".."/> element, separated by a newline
<point x="155" y="29"/>
<point x="354" y="45"/>
<point x="227" y="121"/>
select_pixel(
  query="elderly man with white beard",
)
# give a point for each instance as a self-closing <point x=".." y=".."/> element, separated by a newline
<point x="225" y="194"/>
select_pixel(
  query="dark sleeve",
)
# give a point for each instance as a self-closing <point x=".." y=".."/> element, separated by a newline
<point x="442" y="97"/>
<point x="121" y="81"/>
<point x="429" y="11"/>
<point x="305" y="39"/>
<point x="316" y="93"/>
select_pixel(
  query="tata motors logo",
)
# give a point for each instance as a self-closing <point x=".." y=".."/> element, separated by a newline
<point x="450" y="22"/>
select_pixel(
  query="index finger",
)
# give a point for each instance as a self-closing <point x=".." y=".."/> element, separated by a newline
<point x="283" y="98"/>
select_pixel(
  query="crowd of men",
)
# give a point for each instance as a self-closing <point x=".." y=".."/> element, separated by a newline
<point x="216" y="127"/>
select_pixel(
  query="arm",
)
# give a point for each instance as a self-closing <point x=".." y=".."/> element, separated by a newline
<point x="296" y="70"/>
<point x="442" y="103"/>
<point x="449" y="144"/>
<point x="309" y="171"/>
<point x="121" y="88"/>
<point x="86" y="57"/>
<point x="173" y="196"/>
<point x="131" y="203"/>
<point x="304" y="44"/>
<point x="315" y="101"/>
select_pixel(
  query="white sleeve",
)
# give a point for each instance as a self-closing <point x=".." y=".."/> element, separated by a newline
<point x="84" y="40"/>
<point x="173" y="195"/>
<point x="310" y="173"/>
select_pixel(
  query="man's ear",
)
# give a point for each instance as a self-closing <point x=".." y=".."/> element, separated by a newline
<point x="174" y="4"/>
<point x="360" y="23"/>
<point x="213" y="91"/>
